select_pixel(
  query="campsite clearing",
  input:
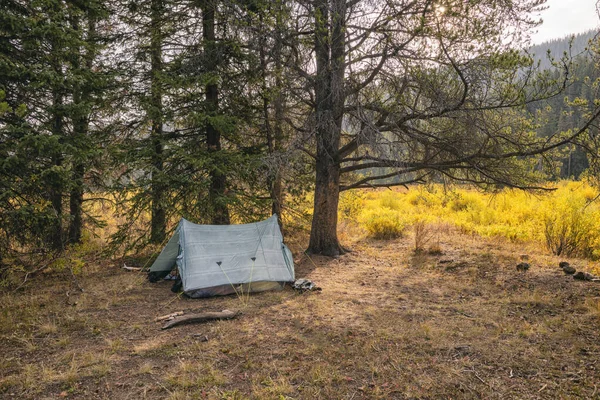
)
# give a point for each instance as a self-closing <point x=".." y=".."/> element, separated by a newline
<point x="388" y="324"/>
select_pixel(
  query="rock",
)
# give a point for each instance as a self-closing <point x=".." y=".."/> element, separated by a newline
<point x="563" y="264"/>
<point x="583" y="276"/>
<point x="569" y="270"/>
<point x="523" y="266"/>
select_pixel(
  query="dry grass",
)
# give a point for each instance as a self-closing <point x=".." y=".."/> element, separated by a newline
<point x="389" y="324"/>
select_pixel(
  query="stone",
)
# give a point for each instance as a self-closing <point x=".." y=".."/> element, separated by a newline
<point x="583" y="276"/>
<point x="569" y="270"/>
<point x="523" y="266"/>
<point x="563" y="264"/>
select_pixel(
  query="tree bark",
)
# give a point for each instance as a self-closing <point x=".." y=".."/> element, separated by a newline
<point x="218" y="183"/>
<point x="81" y="97"/>
<point x="274" y="131"/>
<point x="56" y="185"/>
<point x="76" y="203"/>
<point x="158" y="223"/>
<point x="277" y="193"/>
<point x="329" y="99"/>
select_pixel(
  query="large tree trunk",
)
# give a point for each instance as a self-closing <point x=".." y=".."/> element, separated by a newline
<point x="81" y="97"/>
<point x="158" y="223"/>
<point x="329" y="96"/>
<point x="56" y="184"/>
<point x="277" y="193"/>
<point x="274" y="131"/>
<point x="76" y="203"/>
<point x="218" y="181"/>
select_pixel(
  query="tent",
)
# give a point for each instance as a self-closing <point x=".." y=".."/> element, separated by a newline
<point x="223" y="259"/>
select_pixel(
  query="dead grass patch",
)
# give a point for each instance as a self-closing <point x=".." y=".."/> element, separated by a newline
<point x="389" y="323"/>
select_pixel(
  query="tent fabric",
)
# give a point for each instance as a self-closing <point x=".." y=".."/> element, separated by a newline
<point x="217" y="259"/>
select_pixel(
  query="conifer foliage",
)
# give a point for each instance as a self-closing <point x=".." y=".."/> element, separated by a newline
<point x="221" y="110"/>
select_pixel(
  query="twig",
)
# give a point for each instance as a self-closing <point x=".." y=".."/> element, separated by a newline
<point x="476" y="375"/>
<point x="394" y="366"/>
<point x="546" y="385"/>
<point x="125" y="267"/>
<point x="30" y="273"/>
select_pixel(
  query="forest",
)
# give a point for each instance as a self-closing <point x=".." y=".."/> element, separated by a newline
<point x="220" y="111"/>
<point x="414" y="151"/>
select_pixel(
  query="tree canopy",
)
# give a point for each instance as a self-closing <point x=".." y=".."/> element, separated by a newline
<point x="221" y="110"/>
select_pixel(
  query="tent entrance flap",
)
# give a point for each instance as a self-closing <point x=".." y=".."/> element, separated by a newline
<point x="167" y="257"/>
<point x="215" y="259"/>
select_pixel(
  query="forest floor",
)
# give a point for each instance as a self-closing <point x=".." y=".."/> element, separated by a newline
<point x="388" y="324"/>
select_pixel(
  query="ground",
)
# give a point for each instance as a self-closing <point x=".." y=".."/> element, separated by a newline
<point x="457" y="321"/>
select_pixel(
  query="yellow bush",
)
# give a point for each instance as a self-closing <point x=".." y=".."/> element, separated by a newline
<point x="390" y="199"/>
<point x="567" y="219"/>
<point x="383" y="223"/>
<point x="465" y="201"/>
<point x="351" y="204"/>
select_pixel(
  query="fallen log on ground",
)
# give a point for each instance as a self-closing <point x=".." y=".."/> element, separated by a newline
<point x="201" y="317"/>
<point x="169" y="316"/>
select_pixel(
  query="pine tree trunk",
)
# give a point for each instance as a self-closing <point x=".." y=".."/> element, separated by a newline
<point x="329" y="50"/>
<point x="158" y="223"/>
<point x="81" y="97"/>
<point x="56" y="186"/>
<point x="274" y="132"/>
<point x="76" y="203"/>
<point x="218" y="183"/>
<point x="277" y="194"/>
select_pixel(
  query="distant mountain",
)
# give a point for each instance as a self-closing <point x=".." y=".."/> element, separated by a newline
<point x="573" y="45"/>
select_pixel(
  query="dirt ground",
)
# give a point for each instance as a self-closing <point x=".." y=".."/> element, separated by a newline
<point x="460" y="322"/>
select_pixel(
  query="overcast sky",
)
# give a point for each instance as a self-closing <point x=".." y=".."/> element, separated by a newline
<point x="565" y="17"/>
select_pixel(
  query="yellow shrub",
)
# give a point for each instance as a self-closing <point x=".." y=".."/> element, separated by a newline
<point x="570" y="223"/>
<point x="383" y="223"/>
<point x="351" y="204"/>
<point x="390" y="199"/>
<point x="466" y="201"/>
<point x="566" y="219"/>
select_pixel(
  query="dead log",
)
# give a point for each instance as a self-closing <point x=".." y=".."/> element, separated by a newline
<point x="169" y="316"/>
<point x="201" y="317"/>
<point x="125" y="267"/>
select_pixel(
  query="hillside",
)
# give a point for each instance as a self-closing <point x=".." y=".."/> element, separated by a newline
<point x="573" y="45"/>
<point x="559" y="114"/>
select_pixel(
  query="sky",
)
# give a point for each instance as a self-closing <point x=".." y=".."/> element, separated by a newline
<point x="566" y="17"/>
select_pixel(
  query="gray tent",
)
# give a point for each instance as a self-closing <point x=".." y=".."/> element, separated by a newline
<point x="224" y="259"/>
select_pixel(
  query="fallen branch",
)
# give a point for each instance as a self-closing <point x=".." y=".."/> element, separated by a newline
<point x="34" y="272"/>
<point x="125" y="267"/>
<point x="168" y="316"/>
<point x="201" y="317"/>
